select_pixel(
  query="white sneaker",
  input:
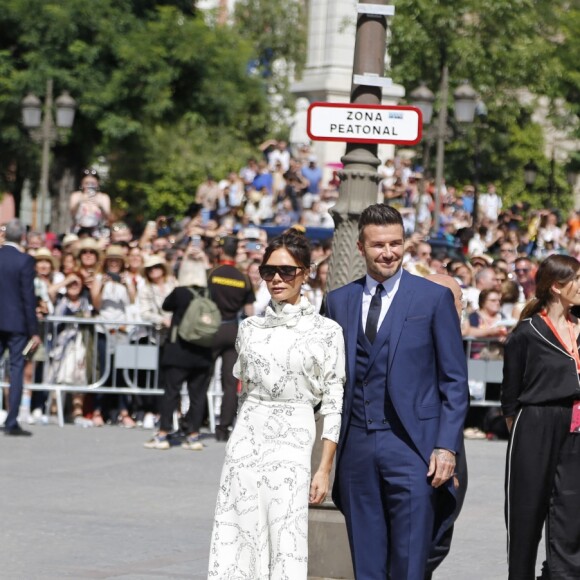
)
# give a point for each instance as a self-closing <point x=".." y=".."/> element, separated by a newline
<point x="3" y="415"/>
<point x="35" y="417"/>
<point x="149" y="421"/>
<point x="157" y="442"/>
<point x="82" y="422"/>
<point x="24" y="416"/>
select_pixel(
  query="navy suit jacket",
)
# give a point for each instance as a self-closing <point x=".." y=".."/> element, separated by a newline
<point x="427" y="371"/>
<point x="17" y="299"/>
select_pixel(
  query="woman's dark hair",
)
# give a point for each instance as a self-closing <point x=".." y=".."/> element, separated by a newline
<point x="379" y="214"/>
<point x="484" y="295"/>
<point x="295" y="243"/>
<point x="554" y="269"/>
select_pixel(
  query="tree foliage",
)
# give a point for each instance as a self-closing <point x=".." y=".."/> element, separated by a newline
<point x="167" y="97"/>
<point x="277" y="30"/>
<point x="137" y="71"/>
<point x="501" y="47"/>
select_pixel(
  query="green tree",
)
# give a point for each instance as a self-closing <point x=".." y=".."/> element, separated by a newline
<point x="277" y="30"/>
<point x="133" y="67"/>
<point x="501" y="46"/>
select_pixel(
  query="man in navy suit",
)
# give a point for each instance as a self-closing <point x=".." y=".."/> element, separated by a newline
<point x="405" y="402"/>
<point x="18" y="323"/>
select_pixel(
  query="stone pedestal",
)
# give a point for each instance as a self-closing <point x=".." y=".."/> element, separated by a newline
<point x="328" y="549"/>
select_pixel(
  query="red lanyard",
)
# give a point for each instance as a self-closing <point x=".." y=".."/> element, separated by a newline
<point x="574" y="352"/>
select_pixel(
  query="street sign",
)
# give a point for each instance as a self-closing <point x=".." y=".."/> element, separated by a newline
<point x="353" y="123"/>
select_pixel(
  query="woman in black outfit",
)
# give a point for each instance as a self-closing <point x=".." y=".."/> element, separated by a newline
<point x="540" y="401"/>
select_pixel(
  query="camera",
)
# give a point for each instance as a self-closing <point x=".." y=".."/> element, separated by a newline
<point x="114" y="277"/>
<point x="253" y="246"/>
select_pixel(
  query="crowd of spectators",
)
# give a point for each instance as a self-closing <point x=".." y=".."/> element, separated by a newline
<point x="105" y="266"/>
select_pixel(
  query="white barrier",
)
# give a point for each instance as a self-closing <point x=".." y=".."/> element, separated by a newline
<point x="483" y="367"/>
<point x="83" y="355"/>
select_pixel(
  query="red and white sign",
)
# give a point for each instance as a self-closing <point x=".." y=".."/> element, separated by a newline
<point x="364" y="123"/>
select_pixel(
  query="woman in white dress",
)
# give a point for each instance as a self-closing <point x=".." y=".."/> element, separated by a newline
<point x="290" y="359"/>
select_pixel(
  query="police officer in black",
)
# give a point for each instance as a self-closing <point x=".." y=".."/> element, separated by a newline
<point x="232" y="291"/>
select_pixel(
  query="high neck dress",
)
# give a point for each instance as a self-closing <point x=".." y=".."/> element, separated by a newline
<point x="289" y="360"/>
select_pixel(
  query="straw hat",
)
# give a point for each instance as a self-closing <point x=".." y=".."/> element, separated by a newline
<point x="152" y="261"/>
<point x="88" y="244"/>
<point x="487" y="260"/>
<point x="46" y="254"/>
<point x="115" y="251"/>
<point x="69" y="239"/>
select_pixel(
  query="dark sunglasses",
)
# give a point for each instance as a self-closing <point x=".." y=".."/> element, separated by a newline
<point x="522" y="270"/>
<point x="287" y="273"/>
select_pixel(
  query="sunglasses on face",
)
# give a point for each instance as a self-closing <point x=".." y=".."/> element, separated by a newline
<point x="286" y="273"/>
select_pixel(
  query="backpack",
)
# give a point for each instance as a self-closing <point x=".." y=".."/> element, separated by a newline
<point x="200" y="321"/>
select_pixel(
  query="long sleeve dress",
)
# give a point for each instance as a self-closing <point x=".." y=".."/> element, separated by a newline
<point x="289" y="360"/>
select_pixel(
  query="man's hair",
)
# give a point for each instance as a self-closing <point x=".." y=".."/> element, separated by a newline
<point x="379" y="214"/>
<point x="14" y="231"/>
<point x="229" y="246"/>
<point x="483" y="274"/>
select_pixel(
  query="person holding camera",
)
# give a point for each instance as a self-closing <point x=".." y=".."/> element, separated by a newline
<point x="111" y="294"/>
<point x="90" y="208"/>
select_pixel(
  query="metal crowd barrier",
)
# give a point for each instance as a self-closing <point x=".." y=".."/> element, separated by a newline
<point x="88" y="355"/>
<point x="484" y="366"/>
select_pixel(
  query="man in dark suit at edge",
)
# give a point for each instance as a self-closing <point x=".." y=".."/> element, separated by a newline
<point x="18" y="322"/>
<point x="405" y="403"/>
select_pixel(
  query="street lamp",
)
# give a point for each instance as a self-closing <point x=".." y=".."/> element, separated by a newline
<point x="32" y="118"/>
<point x="466" y="100"/>
<point x="423" y="98"/>
<point x="530" y="173"/>
<point x="466" y="105"/>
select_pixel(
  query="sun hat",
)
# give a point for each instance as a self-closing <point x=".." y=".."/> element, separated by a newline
<point x="46" y="254"/>
<point x="88" y="245"/>
<point x="152" y="261"/>
<point x="115" y="251"/>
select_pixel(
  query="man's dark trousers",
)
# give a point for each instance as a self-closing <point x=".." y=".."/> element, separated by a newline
<point x="398" y="492"/>
<point x="15" y="343"/>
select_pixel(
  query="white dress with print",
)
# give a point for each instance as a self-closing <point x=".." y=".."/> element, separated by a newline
<point x="289" y="360"/>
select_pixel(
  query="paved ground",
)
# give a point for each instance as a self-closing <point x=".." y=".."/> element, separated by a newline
<point x="93" y="503"/>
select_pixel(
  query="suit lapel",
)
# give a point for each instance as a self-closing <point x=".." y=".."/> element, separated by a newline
<point x="353" y="318"/>
<point x="403" y="300"/>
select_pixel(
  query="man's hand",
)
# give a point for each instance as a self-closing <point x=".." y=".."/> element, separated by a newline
<point x="441" y="466"/>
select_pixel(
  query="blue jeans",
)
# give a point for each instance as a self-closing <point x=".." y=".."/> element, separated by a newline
<point x="15" y="344"/>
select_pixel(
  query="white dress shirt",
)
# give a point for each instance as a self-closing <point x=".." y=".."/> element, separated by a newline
<point x="388" y="294"/>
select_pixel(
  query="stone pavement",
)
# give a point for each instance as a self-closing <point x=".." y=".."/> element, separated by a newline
<point x="93" y="503"/>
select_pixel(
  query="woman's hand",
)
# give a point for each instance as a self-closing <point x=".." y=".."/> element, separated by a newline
<point x="319" y="487"/>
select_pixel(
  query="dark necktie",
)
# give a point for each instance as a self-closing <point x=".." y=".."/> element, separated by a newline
<point x="374" y="314"/>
